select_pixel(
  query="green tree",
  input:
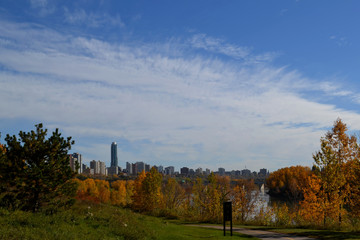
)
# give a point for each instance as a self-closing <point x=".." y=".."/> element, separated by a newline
<point x="35" y="171"/>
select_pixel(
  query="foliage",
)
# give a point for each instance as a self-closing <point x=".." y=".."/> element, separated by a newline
<point x="334" y="165"/>
<point x="35" y="171"/>
<point x="289" y="183"/>
<point x="174" y="195"/>
<point x="244" y="197"/>
<point x="147" y="191"/>
<point x="332" y="196"/>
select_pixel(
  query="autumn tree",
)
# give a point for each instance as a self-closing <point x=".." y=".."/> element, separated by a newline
<point x="174" y="194"/>
<point x="244" y="197"/>
<point x="339" y="151"/>
<point x="288" y="183"/>
<point x="147" y="191"/>
<point x="207" y="199"/>
<point x="313" y="207"/>
<point x="35" y="171"/>
<point x="103" y="189"/>
<point x="118" y="193"/>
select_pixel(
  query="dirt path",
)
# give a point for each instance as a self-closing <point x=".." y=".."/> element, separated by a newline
<point x="265" y="235"/>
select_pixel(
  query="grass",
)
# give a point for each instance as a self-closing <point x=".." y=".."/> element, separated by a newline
<point x="89" y="221"/>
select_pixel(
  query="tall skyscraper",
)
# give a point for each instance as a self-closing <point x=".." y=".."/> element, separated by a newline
<point x="75" y="159"/>
<point x="114" y="158"/>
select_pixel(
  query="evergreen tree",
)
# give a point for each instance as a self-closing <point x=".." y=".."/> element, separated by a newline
<point x="35" y="171"/>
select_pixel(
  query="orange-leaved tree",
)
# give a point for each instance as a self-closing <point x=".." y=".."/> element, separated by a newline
<point x="338" y="150"/>
<point x="289" y="182"/>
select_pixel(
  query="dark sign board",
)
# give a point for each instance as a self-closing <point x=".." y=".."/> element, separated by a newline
<point x="227" y="211"/>
<point x="227" y="215"/>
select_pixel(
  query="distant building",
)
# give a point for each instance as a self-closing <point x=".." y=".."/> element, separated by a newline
<point x="263" y="172"/>
<point x="169" y="170"/>
<point x="83" y="168"/>
<point x="75" y="160"/>
<point x="95" y="166"/>
<point x="129" y="168"/>
<point x="246" y="173"/>
<point x="147" y="167"/>
<point x="113" y="170"/>
<point x="184" y="171"/>
<point x="99" y="167"/>
<point x="221" y="171"/>
<point x="207" y="171"/>
<point x="140" y="166"/>
<point x="199" y="171"/>
<point x="114" y="157"/>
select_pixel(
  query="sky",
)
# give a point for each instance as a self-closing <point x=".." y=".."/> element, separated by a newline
<point x="234" y="84"/>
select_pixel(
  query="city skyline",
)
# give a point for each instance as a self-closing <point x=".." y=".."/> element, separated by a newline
<point x="188" y="83"/>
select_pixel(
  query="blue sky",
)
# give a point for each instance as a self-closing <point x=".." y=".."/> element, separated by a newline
<point x="184" y="83"/>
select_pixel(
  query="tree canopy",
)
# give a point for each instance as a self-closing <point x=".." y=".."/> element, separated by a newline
<point x="35" y="170"/>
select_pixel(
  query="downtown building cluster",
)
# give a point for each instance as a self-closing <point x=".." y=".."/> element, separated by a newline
<point x="98" y="168"/>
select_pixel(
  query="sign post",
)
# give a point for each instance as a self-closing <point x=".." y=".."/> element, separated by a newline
<point x="227" y="215"/>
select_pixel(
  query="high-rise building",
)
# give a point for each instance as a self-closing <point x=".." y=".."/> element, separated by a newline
<point x="263" y="172"/>
<point x="98" y="167"/>
<point x="102" y="167"/>
<point x="140" y="166"/>
<point x="184" y="171"/>
<point x="129" y="168"/>
<point x="221" y="171"/>
<point x="147" y="167"/>
<point x="95" y="165"/>
<point x="75" y="161"/>
<point x="114" y="158"/>
<point x="169" y="170"/>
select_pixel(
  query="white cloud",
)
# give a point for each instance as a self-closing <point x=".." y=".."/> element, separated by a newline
<point x="179" y="110"/>
<point x="95" y="20"/>
<point x="43" y="7"/>
<point x="217" y="45"/>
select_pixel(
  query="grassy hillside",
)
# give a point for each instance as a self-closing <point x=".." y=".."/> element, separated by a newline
<point x="89" y="221"/>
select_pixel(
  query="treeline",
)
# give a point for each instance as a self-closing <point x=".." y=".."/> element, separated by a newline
<point x="329" y="193"/>
<point x="192" y="200"/>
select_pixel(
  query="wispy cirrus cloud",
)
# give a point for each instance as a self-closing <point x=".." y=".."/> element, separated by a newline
<point x="217" y="45"/>
<point x="92" y="19"/>
<point x="43" y="7"/>
<point x="162" y="104"/>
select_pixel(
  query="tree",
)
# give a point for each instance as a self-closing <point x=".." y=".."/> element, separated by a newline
<point x="244" y="197"/>
<point x="118" y="193"/>
<point x="289" y="183"/>
<point x="35" y="171"/>
<point x="338" y="152"/>
<point x="147" y="191"/>
<point x="174" y="194"/>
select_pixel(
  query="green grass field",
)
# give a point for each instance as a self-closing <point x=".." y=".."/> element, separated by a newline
<point x="91" y="221"/>
<point x="88" y="221"/>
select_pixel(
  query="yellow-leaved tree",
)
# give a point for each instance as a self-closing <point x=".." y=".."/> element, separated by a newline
<point x="147" y="191"/>
<point x="338" y="152"/>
